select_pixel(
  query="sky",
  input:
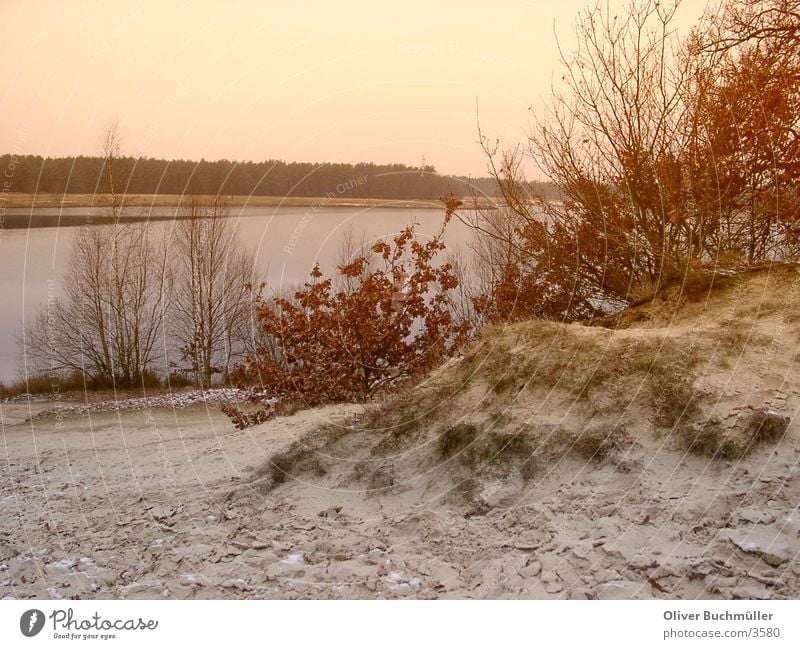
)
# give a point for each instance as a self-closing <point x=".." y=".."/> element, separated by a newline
<point x="343" y="81"/>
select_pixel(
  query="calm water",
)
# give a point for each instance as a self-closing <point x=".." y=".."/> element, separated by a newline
<point x="286" y="242"/>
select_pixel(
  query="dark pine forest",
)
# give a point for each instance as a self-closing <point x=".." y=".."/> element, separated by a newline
<point x="87" y="175"/>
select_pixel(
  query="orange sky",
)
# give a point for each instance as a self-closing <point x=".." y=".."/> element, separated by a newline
<point x="312" y="81"/>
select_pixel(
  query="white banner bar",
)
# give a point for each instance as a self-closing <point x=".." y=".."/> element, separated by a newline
<point x="405" y="624"/>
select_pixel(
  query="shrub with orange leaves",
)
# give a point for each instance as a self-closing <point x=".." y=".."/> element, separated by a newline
<point x="386" y="318"/>
<point x="674" y="158"/>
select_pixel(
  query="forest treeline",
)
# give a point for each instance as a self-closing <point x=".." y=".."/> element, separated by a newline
<point x="87" y="175"/>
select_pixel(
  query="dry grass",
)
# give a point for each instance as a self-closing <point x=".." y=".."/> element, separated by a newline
<point x="381" y="479"/>
<point x="468" y="489"/>
<point x="79" y="384"/>
<point x="409" y="410"/>
<point x="476" y="449"/>
<point x="712" y="439"/>
<point x="457" y="438"/>
<point x="376" y="476"/>
<point x="526" y="450"/>
<point x="509" y="382"/>
<point x="302" y="458"/>
<point x="673" y="396"/>
<point x="495" y="449"/>
<point x="595" y="444"/>
<point x="737" y="334"/>
<point x="296" y="460"/>
<point x="602" y="372"/>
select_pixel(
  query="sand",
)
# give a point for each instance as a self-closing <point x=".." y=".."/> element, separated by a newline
<point x="168" y="502"/>
<point x="136" y="505"/>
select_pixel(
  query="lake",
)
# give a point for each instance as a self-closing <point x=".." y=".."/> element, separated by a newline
<point x="286" y="242"/>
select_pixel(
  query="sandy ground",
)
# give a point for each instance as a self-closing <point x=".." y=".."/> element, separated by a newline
<point x="135" y="505"/>
<point x="131" y="504"/>
<point x="169" y="502"/>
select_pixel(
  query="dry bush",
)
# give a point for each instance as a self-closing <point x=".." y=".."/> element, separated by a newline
<point x="766" y="426"/>
<point x="242" y="419"/>
<point x="386" y="321"/>
<point x="253" y="416"/>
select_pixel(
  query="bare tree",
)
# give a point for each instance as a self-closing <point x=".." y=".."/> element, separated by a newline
<point x="107" y="322"/>
<point x="213" y="297"/>
<point x="772" y="22"/>
<point x="671" y="156"/>
<point x="607" y="139"/>
<point x="110" y="149"/>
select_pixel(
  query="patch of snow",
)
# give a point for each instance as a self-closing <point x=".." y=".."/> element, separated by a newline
<point x="63" y="564"/>
<point x="173" y="400"/>
<point x="54" y="594"/>
<point x="396" y="580"/>
<point x="294" y="559"/>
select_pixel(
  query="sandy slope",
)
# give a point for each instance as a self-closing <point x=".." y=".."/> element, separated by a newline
<point x="172" y="503"/>
<point x="129" y="504"/>
<point x="133" y="505"/>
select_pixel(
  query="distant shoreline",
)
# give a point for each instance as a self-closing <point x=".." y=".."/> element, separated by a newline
<point x="20" y="201"/>
<point x="15" y="200"/>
